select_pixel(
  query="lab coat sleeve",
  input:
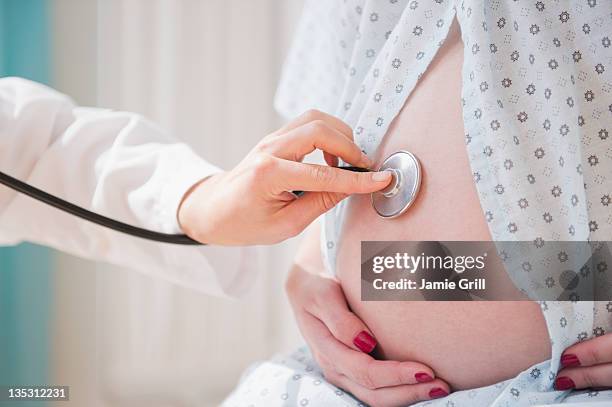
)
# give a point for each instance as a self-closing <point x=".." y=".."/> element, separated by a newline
<point x="114" y="163"/>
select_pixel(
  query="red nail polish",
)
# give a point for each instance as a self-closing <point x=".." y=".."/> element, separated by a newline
<point x="564" y="383"/>
<point x="570" y="360"/>
<point x="437" y="393"/>
<point x="423" y="377"/>
<point x="365" y="342"/>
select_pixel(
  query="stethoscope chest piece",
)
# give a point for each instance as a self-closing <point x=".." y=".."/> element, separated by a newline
<point x="396" y="198"/>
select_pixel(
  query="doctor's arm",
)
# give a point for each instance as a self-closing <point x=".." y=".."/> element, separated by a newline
<point x="123" y="166"/>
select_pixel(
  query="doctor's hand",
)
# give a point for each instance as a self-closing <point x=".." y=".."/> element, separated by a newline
<point x="586" y="364"/>
<point x="251" y="203"/>
<point x="340" y="343"/>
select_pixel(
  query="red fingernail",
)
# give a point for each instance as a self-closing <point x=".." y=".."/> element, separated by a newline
<point x="570" y="360"/>
<point x="564" y="383"/>
<point x="423" y="377"/>
<point x="437" y="393"/>
<point x="365" y="342"/>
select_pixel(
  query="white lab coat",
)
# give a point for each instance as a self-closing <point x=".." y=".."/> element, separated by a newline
<point x="117" y="164"/>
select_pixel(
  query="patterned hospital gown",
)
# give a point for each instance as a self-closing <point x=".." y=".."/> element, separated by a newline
<point x="537" y="111"/>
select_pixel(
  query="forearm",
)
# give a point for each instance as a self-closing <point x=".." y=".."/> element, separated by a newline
<point x="114" y="163"/>
<point x="117" y="163"/>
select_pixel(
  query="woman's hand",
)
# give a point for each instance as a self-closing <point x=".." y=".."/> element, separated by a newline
<point x="340" y="343"/>
<point x="586" y="364"/>
<point x="251" y="203"/>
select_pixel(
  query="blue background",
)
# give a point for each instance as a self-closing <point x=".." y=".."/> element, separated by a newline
<point x="25" y="271"/>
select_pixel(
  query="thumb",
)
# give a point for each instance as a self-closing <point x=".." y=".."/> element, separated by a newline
<point x="308" y="207"/>
<point x="344" y="325"/>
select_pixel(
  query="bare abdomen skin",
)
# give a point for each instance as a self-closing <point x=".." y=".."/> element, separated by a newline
<point x="469" y="344"/>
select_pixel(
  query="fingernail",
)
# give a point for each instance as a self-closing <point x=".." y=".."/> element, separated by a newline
<point x="564" y="383"/>
<point x="423" y="377"/>
<point x="381" y="176"/>
<point x="437" y="392"/>
<point x="570" y="360"/>
<point x="365" y="342"/>
<point x="365" y="161"/>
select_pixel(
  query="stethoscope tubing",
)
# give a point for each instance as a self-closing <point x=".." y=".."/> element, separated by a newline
<point x="80" y="212"/>
<point x="93" y="217"/>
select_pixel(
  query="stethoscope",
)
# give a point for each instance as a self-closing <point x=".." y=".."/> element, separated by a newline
<point x="389" y="203"/>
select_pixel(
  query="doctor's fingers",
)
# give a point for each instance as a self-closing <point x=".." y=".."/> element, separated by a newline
<point x="334" y="122"/>
<point x="318" y="134"/>
<point x="369" y="373"/>
<point x="392" y="396"/>
<point x="321" y="178"/>
<point x="314" y="115"/>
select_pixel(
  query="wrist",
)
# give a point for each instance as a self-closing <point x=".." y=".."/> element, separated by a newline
<point x="189" y="212"/>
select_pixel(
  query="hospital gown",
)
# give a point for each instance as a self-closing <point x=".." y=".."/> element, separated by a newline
<point x="537" y="111"/>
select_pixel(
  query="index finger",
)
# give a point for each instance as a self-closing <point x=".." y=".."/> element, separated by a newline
<point x="321" y="178"/>
<point x="317" y="135"/>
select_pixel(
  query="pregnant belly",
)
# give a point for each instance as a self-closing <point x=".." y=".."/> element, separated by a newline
<point x="469" y="344"/>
